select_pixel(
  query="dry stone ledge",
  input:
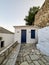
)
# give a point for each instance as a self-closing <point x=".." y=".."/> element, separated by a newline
<point x="5" y="53"/>
<point x="11" y="59"/>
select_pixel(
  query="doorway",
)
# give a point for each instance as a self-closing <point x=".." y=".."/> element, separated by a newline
<point x="2" y="44"/>
<point x="23" y="36"/>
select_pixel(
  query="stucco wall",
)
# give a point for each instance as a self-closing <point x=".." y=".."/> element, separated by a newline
<point x="17" y="35"/>
<point x="43" y="40"/>
<point x="7" y="38"/>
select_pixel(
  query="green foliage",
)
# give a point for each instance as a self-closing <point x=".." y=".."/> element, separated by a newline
<point x="31" y="16"/>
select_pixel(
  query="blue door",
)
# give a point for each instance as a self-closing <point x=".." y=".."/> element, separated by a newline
<point x="23" y="36"/>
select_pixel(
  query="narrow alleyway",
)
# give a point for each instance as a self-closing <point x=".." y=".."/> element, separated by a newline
<point x="29" y="55"/>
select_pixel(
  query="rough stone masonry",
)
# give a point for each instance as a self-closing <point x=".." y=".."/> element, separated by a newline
<point x="42" y="17"/>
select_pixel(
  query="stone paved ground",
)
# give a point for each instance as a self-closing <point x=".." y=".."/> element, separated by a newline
<point x="29" y="55"/>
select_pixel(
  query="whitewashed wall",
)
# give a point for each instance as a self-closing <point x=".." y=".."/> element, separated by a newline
<point x="7" y="38"/>
<point x="43" y="40"/>
<point x="17" y="36"/>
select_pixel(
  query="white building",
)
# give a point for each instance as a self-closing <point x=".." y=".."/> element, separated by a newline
<point x="25" y="34"/>
<point x="7" y="37"/>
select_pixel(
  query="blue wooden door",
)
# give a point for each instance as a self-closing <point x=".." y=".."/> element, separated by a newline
<point x="23" y="36"/>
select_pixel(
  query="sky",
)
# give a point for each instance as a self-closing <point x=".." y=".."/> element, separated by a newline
<point x="13" y="12"/>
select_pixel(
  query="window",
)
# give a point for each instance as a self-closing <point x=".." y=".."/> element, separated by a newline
<point x="33" y="34"/>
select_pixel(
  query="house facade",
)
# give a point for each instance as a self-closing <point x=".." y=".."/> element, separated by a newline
<point x="7" y="37"/>
<point x="25" y="34"/>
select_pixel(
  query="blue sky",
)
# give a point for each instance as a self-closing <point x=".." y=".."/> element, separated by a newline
<point x="13" y="12"/>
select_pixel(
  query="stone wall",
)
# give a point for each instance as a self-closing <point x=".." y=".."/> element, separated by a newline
<point x="42" y="17"/>
<point x="4" y="53"/>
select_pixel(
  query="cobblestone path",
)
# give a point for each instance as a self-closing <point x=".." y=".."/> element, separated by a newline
<point x="29" y="55"/>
